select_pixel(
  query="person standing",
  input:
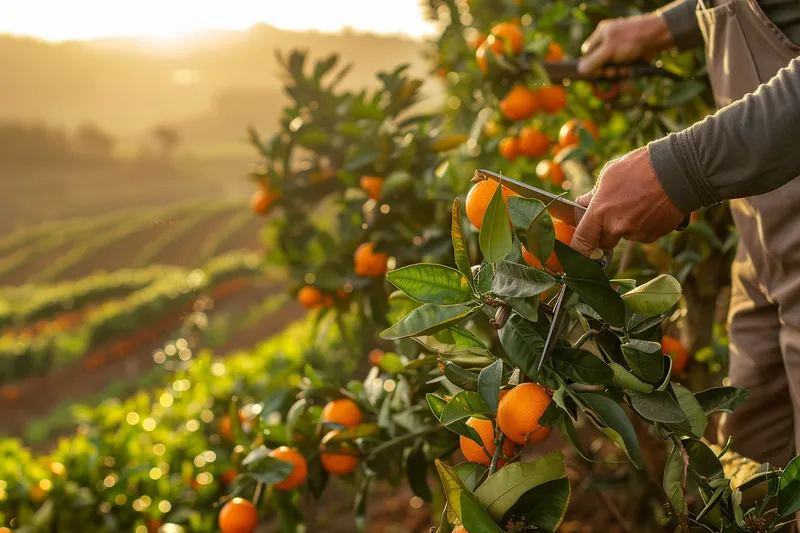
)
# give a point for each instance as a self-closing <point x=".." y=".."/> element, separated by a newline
<point x="747" y="152"/>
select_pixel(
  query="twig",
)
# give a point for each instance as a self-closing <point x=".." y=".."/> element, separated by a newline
<point x="498" y="452"/>
<point x="627" y="257"/>
<point x="685" y="458"/>
<point x="408" y="436"/>
<point x="257" y="494"/>
<point x="585" y="337"/>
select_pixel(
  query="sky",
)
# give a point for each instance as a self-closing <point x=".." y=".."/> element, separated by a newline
<point x="58" y="20"/>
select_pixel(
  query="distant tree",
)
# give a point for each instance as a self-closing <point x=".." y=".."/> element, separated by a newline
<point x="167" y="140"/>
<point x="94" y="142"/>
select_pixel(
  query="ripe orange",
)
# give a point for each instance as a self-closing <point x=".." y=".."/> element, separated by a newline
<point x="472" y="450"/>
<point x="568" y="134"/>
<point x="480" y="57"/>
<point x="372" y="185"/>
<point x="674" y="348"/>
<point x="10" y="393"/>
<point x="554" y="53"/>
<point x="340" y="463"/>
<point x="564" y="233"/>
<point x="310" y="297"/>
<point x="509" y="148"/>
<point x="479" y="197"/>
<point x="460" y="529"/>
<point x="228" y="476"/>
<point x="368" y="263"/>
<point x="298" y="474"/>
<point x="505" y="34"/>
<point x="476" y="41"/>
<point x="551" y="98"/>
<point x="342" y="411"/>
<point x="550" y="171"/>
<point x="238" y="516"/>
<point x="262" y="199"/>
<point x="519" y="411"/>
<point x="533" y="142"/>
<point x="519" y="104"/>
<point x="38" y="494"/>
<point x="696" y="216"/>
<point x="6" y="530"/>
<point x="225" y="430"/>
<point x="375" y="357"/>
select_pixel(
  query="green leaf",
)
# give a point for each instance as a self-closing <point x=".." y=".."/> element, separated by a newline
<point x="658" y="407"/>
<point x="654" y="297"/>
<point x="721" y="399"/>
<point x="523" y="345"/>
<point x="552" y="415"/>
<point x="471" y="473"/>
<point x="673" y="481"/>
<point x="474" y="517"/>
<point x="645" y="359"/>
<point x="427" y="319"/>
<point x="395" y="182"/>
<point x="520" y="281"/>
<point x="541" y="236"/>
<point x="432" y="284"/>
<point x="437" y="405"/>
<point x="628" y="381"/>
<point x="357" y="432"/>
<point x="522" y="212"/>
<point x="459" y="377"/>
<point x="543" y="506"/>
<point x="528" y="308"/>
<point x="485" y="277"/>
<point x="464" y="405"/>
<point x="567" y="429"/>
<point x="495" y="235"/>
<point x="703" y="459"/>
<point x="459" y="243"/>
<point x="789" y="491"/>
<point x="612" y="420"/>
<point x="453" y="487"/>
<point x="684" y="91"/>
<point x="581" y="366"/>
<point x="489" y="382"/>
<point x="271" y="470"/>
<point x="694" y="413"/>
<point x="417" y="474"/>
<point x="586" y="278"/>
<point x="501" y="490"/>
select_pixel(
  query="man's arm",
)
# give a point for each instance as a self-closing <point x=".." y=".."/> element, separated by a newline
<point x="745" y="149"/>
<point x="681" y="19"/>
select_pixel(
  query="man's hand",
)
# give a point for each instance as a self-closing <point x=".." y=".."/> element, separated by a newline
<point x="627" y="201"/>
<point x="624" y="40"/>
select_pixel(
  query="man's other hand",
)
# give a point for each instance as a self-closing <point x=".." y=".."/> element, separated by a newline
<point x="627" y="201"/>
<point x="624" y="40"/>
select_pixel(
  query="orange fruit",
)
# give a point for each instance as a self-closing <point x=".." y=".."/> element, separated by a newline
<point x="460" y="529"/>
<point x="533" y="142"/>
<point x="372" y="185"/>
<point x="480" y="57"/>
<point x="10" y="393"/>
<point x="228" y="476"/>
<point x="674" y="348"/>
<point x="519" y="104"/>
<point x="473" y="451"/>
<point x="441" y="73"/>
<point x="38" y="494"/>
<point x="342" y="411"/>
<point x="225" y="429"/>
<point x="340" y="463"/>
<point x="6" y="530"/>
<point x="564" y="233"/>
<point x="479" y="197"/>
<point x="310" y="297"/>
<point x="298" y="474"/>
<point x="568" y="134"/>
<point x="476" y="41"/>
<point x="695" y="216"/>
<point x="550" y="171"/>
<point x="375" y="357"/>
<point x="507" y="34"/>
<point x="551" y="98"/>
<point x="262" y="199"/>
<point x="238" y="516"/>
<point x="554" y="53"/>
<point x="509" y="148"/>
<point x="519" y="412"/>
<point x="368" y="263"/>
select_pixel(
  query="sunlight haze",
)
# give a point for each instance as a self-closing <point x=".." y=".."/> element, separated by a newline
<point x="57" y="20"/>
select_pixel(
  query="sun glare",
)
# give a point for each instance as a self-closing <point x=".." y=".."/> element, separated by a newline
<point x="165" y="21"/>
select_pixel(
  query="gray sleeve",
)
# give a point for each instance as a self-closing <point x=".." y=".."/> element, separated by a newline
<point x="745" y="149"/>
<point x="682" y="23"/>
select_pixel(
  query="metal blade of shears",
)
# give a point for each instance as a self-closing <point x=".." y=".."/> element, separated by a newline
<point x="557" y="326"/>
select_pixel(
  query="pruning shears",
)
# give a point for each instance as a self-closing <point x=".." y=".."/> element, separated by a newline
<point x="568" y="70"/>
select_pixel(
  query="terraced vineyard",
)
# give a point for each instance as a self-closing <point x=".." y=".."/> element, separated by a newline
<point x="84" y="304"/>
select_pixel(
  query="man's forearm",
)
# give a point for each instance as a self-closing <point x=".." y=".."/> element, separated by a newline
<point x="683" y="25"/>
<point x="746" y="149"/>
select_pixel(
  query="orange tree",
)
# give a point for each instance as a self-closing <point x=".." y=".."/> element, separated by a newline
<point x="450" y="389"/>
<point x="490" y="57"/>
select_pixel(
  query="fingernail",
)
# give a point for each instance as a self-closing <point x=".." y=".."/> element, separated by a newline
<point x="596" y="254"/>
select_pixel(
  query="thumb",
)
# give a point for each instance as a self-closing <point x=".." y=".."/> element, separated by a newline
<point x="588" y="234"/>
<point x="595" y="59"/>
